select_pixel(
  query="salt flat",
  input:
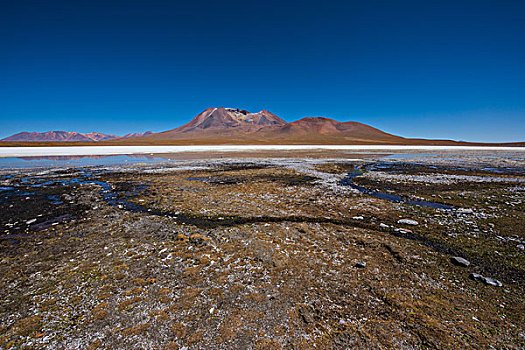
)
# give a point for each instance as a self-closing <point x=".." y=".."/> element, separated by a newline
<point x="112" y="150"/>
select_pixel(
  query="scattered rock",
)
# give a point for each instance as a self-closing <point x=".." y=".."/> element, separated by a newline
<point x="272" y="296"/>
<point x="487" y="280"/>
<point x="358" y="218"/>
<point x="383" y="225"/>
<point x="520" y="247"/>
<point x="492" y="282"/>
<point x="407" y="222"/>
<point x="403" y="230"/>
<point x="29" y="222"/>
<point x="460" y="261"/>
<point x="361" y="265"/>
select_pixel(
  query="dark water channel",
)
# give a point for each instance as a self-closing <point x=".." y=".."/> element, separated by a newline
<point x="50" y="190"/>
<point x="37" y="202"/>
<point x="348" y="181"/>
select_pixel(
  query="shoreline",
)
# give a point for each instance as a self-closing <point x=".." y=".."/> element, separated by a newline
<point x="6" y="152"/>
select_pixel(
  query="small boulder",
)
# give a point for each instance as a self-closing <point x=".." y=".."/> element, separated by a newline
<point x="361" y="265"/>
<point x="492" y="282"/>
<point x="487" y="280"/>
<point x="520" y="247"/>
<point x="403" y="230"/>
<point x="459" y="261"/>
<point x="408" y="222"/>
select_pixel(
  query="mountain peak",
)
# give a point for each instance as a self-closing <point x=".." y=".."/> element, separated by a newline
<point x="236" y="110"/>
<point x="223" y="118"/>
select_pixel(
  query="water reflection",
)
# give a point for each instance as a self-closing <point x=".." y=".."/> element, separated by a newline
<point x="347" y="181"/>
<point x="92" y="160"/>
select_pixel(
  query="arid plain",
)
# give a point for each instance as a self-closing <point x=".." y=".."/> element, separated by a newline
<point x="266" y="250"/>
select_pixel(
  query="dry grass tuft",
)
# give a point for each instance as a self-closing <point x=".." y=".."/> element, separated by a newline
<point x="28" y="326"/>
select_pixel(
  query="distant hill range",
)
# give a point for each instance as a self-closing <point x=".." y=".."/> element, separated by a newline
<point x="68" y="136"/>
<point x="221" y="125"/>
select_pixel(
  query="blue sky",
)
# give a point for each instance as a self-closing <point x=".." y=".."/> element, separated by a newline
<point x="433" y="69"/>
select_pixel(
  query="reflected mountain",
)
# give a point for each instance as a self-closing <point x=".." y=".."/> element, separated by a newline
<point x="77" y="157"/>
<point x="78" y="161"/>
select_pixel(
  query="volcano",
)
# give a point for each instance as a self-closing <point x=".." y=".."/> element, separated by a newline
<point x="231" y="125"/>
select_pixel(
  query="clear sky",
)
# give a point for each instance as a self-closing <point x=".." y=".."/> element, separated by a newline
<point x="433" y="69"/>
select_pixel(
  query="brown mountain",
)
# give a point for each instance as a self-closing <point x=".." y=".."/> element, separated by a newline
<point x="67" y="136"/>
<point x="222" y="119"/>
<point x="229" y="125"/>
<point x="319" y="129"/>
<point x="59" y="136"/>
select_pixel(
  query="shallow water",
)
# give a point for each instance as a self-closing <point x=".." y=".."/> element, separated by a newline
<point x="33" y="188"/>
<point x="403" y="156"/>
<point x="347" y="181"/>
<point x="77" y="161"/>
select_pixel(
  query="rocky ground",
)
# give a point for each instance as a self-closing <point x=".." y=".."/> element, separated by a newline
<point x="265" y="254"/>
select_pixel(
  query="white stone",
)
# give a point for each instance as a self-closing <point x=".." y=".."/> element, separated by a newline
<point x="407" y="222"/>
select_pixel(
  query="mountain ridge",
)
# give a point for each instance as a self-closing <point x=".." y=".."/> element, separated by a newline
<point x="68" y="136"/>
<point x="222" y="126"/>
<point x="237" y="125"/>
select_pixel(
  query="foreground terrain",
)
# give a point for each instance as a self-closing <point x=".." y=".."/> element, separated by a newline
<point x="265" y="254"/>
